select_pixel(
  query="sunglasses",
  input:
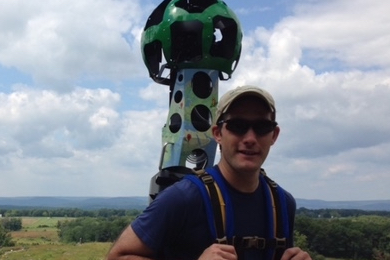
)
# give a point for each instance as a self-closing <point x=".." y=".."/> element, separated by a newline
<point x="240" y="126"/>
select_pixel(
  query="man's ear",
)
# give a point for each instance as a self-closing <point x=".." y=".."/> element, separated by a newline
<point x="216" y="130"/>
<point x="275" y="134"/>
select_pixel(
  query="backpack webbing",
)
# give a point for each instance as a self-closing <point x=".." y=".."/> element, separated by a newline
<point x="220" y="213"/>
<point x="218" y="204"/>
<point x="279" y="215"/>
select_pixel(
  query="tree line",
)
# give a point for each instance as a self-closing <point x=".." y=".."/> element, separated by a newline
<point x="363" y="237"/>
<point x="68" y="212"/>
<point x="89" y="229"/>
<point x="339" y="213"/>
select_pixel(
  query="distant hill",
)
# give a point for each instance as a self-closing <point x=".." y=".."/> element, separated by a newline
<point x="86" y="203"/>
<point x="93" y="203"/>
<point x="381" y="205"/>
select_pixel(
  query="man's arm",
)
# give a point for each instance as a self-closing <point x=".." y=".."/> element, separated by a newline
<point x="129" y="247"/>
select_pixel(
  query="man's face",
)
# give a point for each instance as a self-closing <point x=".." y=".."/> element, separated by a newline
<point x="246" y="151"/>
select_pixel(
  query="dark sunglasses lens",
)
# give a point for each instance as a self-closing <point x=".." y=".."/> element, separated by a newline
<point x="264" y="127"/>
<point x="240" y="127"/>
<point x="237" y="126"/>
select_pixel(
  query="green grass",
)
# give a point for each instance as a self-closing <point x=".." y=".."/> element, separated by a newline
<point x="37" y="222"/>
<point x="37" y="231"/>
<point x="87" y="251"/>
<point x="38" y="240"/>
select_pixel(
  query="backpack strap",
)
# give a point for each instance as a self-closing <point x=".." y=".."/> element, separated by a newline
<point x="217" y="203"/>
<point x="210" y="210"/>
<point x="278" y="227"/>
<point x="228" y="235"/>
<point x="219" y="212"/>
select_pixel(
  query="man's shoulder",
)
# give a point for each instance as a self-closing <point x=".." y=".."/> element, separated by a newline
<point x="183" y="190"/>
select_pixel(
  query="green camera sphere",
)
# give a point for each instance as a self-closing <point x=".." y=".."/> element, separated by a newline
<point x="197" y="34"/>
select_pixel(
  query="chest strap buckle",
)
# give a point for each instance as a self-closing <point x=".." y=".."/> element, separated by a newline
<point x="280" y="243"/>
<point x="222" y="240"/>
<point x="251" y="242"/>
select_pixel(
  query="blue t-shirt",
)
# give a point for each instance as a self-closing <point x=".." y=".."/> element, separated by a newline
<point x="175" y="224"/>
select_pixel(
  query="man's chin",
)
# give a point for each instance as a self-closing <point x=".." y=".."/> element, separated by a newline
<point x="249" y="168"/>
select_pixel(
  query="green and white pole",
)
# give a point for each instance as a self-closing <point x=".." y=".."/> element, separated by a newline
<point x="189" y="45"/>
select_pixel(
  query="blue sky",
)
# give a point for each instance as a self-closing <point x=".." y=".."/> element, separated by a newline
<point x="79" y="115"/>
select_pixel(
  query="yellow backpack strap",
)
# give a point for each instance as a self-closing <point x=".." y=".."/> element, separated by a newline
<point x="279" y="216"/>
<point x="218" y="204"/>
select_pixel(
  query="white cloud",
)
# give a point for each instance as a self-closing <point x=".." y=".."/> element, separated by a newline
<point x="156" y="93"/>
<point x="356" y="34"/>
<point x="42" y="116"/>
<point x="359" y="173"/>
<point x="60" y="41"/>
<point x="103" y="118"/>
<point x="69" y="138"/>
<point x="253" y="9"/>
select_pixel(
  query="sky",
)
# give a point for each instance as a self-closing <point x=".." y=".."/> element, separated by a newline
<point x="79" y="115"/>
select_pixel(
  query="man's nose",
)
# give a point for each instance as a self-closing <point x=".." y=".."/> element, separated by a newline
<point x="250" y="135"/>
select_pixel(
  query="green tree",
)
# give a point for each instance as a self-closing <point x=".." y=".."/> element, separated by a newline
<point x="12" y="224"/>
<point x="92" y="229"/>
<point x="300" y="240"/>
<point x="5" y="238"/>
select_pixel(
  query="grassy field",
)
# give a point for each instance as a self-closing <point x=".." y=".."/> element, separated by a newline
<point x="38" y="240"/>
<point x="37" y="231"/>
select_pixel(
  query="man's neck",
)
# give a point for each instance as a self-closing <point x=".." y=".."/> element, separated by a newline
<point x="246" y="182"/>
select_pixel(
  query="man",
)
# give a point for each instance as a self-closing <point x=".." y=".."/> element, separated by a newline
<point x="175" y="225"/>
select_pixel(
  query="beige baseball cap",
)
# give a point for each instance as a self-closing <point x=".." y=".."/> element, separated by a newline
<point x="227" y="99"/>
